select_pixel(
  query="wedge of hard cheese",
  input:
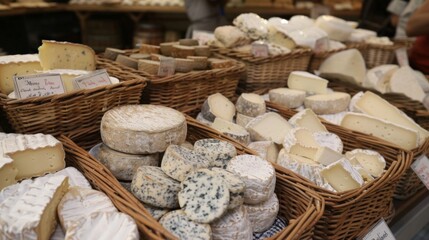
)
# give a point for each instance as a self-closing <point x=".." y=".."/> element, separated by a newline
<point x="16" y="65"/>
<point x="347" y="65"/>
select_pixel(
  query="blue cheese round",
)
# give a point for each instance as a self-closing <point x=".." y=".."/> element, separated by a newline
<point x="184" y="228"/>
<point x="235" y="185"/>
<point x="219" y="152"/>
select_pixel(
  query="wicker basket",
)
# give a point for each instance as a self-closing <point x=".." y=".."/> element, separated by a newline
<point x="270" y="72"/>
<point x="184" y="91"/>
<point x="376" y="54"/>
<point x="349" y="213"/>
<point x="300" y="205"/>
<point x="63" y="113"/>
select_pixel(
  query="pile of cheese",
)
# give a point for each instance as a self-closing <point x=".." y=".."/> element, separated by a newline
<point x="306" y="146"/>
<point x="30" y="208"/>
<point x="70" y="60"/>
<point x="202" y="191"/>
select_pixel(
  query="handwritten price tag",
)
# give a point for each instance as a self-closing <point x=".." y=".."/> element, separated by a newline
<point x="260" y="50"/>
<point x="380" y="231"/>
<point x="319" y="10"/>
<point x="167" y="66"/>
<point x="321" y="45"/>
<point x="402" y="57"/>
<point x="95" y="79"/>
<point x="203" y="37"/>
<point x="421" y="168"/>
<point x="38" y="85"/>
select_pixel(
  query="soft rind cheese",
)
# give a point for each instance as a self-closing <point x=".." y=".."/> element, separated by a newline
<point x="104" y="226"/>
<point x="378" y="78"/>
<point x="75" y="178"/>
<point x="152" y="186"/>
<point x="336" y="28"/>
<point x="204" y="196"/>
<point x="235" y="224"/>
<point x="79" y="203"/>
<point x="142" y="129"/>
<point x="347" y="65"/>
<point x="235" y="185"/>
<point x="217" y="151"/>
<point x="330" y="140"/>
<point x="371" y="161"/>
<point x="218" y="106"/>
<point x="328" y="103"/>
<point x="16" y="65"/>
<point x="263" y="215"/>
<point x="268" y="127"/>
<point x="266" y="149"/>
<point x="290" y="98"/>
<point x="232" y="130"/>
<point x="326" y="156"/>
<point x="353" y="101"/>
<point x="242" y="119"/>
<point x="299" y="136"/>
<point x="231" y="36"/>
<point x="342" y="176"/>
<point x="404" y="81"/>
<point x="307" y="119"/>
<point x="258" y="175"/>
<point x="184" y="228"/>
<point x="8" y="171"/>
<point x="305" y="81"/>
<point x="122" y="165"/>
<point x="250" y="104"/>
<point x="65" y="55"/>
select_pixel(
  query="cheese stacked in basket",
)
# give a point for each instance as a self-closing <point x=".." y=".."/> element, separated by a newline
<point x="203" y="190"/>
<point x="32" y="204"/>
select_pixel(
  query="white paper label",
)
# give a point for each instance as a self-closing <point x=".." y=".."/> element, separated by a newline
<point x="260" y="50"/>
<point x="319" y="10"/>
<point x="95" y="79"/>
<point x="38" y="85"/>
<point x="402" y="57"/>
<point x="421" y="168"/>
<point x="321" y="45"/>
<point x="380" y="231"/>
<point x="203" y="36"/>
<point x="167" y="66"/>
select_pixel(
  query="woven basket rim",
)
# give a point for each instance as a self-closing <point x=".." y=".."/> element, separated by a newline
<point x="247" y="57"/>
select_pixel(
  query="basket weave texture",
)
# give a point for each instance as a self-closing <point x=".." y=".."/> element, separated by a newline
<point x="349" y="213"/>
<point x="63" y="113"/>
<point x="302" y="206"/>
<point x="376" y="54"/>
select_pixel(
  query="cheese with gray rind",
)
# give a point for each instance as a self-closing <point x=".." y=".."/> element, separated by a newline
<point x="266" y="149"/>
<point x="250" y="104"/>
<point x="152" y="186"/>
<point x="263" y="215"/>
<point x="233" y="225"/>
<point x="218" y="106"/>
<point x="219" y="152"/>
<point x="232" y="130"/>
<point x="242" y="119"/>
<point x="177" y="223"/>
<point x="290" y="98"/>
<point x="269" y="127"/>
<point x="142" y="129"/>
<point x="202" y="120"/>
<point x="178" y="162"/>
<point x="328" y="103"/>
<point x="307" y="119"/>
<point x="235" y="185"/>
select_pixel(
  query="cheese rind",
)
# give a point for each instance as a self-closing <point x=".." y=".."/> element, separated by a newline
<point x="342" y="176"/>
<point x="326" y="156"/>
<point x="371" y="161"/>
<point x="307" y="119"/>
<point x="184" y="228"/>
<point x="328" y="103"/>
<point x="235" y="185"/>
<point x="308" y="82"/>
<point x="217" y="151"/>
<point x="263" y="215"/>
<point x="268" y="127"/>
<point x="336" y="28"/>
<point x="347" y="65"/>
<point x="378" y="78"/>
<point x="202" y="120"/>
<point x="404" y="80"/>
<point x="218" y="106"/>
<point x="300" y="136"/>
<point x="242" y="119"/>
<point x="289" y="98"/>
<point x="16" y="65"/>
<point x="8" y="171"/>
<point x="266" y="150"/>
<point x="235" y="224"/>
<point x="232" y="130"/>
<point x="250" y="104"/>
<point x="330" y="140"/>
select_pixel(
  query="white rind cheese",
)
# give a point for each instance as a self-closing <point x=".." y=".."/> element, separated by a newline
<point x="266" y="149"/>
<point x="336" y="28"/>
<point x="299" y="136"/>
<point x="328" y="103"/>
<point x="8" y="171"/>
<point x="75" y="178"/>
<point x="233" y="225"/>
<point x="330" y="140"/>
<point x="142" y="129"/>
<point x="371" y="161"/>
<point x="184" y="228"/>
<point x="347" y="65"/>
<point x="404" y="80"/>
<point x="307" y="119"/>
<point x="326" y="156"/>
<point x="258" y="175"/>
<point x="342" y="176"/>
<point x="263" y="215"/>
<point x="231" y="36"/>
<point x="378" y="78"/>
<point x="305" y="81"/>
<point x="232" y="130"/>
<point x="269" y="127"/>
<point x="217" y="151"/>
<point x="353" y="101"/>
<point x="152" y="186"/>
<point x="243" y="120"/>
<point x="250" y="104"/>
<point x="289" y="98"/>
<point x="218" y="106"/>
<point x="16" y="65"/>
<point x="235" y="185"/>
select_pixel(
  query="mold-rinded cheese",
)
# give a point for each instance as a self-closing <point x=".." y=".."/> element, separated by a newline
<point x="404" y="81"/>
<point x="32" y="214"/>
<point x="242" y="119"/>
<point x="289" y="98"/>
<point x="104" y="226"/>
<point x="79" y="203"/>
<point x="123" y="165"/>
<point x="300" y="136"/>
<point x="152" y="186"/>
<point x="253" y="25"/>
<point x="217" y="151"/>
<point x="250" y="104"/>
<point x="326" y="156"/>
<point x="263" y="215"/>
<point x="336" y="28"/>
<point x="371" y="161"/>
<point x="347" y="65"/>
<point x="231" y="36"/>
<point x="235" y="185"/>
<point x="232" y="130"/>
<point x="308" y="82"/>
<point x="342" y="176"/>
<point x="376" y="106"/>
<point x="397" y="135"/>
<point x="75" y="178"/>
<point x="378" y="78"/>
<point x="142" y="129"/>
<point x="359" y="35"/>
<point x="8" y="171"/>
<point x="353" y="101"/>
<point x="266" y="149"/>
<point x="204" y="196"/>
<point x="184" y="228"/>
<point x="65" y="55"/>
<point x="34" y="155"/>
<point x="235" y="224"/>
<point x="303" y="150"/>
<point x="307" y="119"/>
<point x="328" y="103"/>
<point x="269" y="127"/>
<point x="330" y="140"/>
<point x="202" y="120"/>
<point x="178" y="162"/>
<point x="258" y="175"/>
<point x="307" y="37"/>
<point x="156" y="212"/>
<point x="16" y="65"/>
<point x="218" y="106"/>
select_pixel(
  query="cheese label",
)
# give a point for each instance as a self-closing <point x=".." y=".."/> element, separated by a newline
<point x="380" y="231"/>
<point x="321" y="45"/>
<point x="203" y="37"/>
<point x="402" y="57"/>
<point x="260" y="50"/>
<point x="95" y="79"/>
<point x="38" y="85"/>
<point x="421" y="168"/>
<point x="167" y="66"/>
<point x="319" y="10"/>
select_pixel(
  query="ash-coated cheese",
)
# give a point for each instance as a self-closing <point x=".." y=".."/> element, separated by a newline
<point x="268" y="127"/>
<point x="202" y="120"/>
<point x="204" y="196"/>
<point x="258" y="175"/>
<point x="305" y="81"/>
<point x="142" y="129"/>
<point x="342" y="176"/>
<point x="371" y="161"/>
<point x="65" y="55"/>
<point x="330" y="103"/>
<point x="307" y="119"/>
<point x="233" y="225"/>
<point x="290" y="98"/>
<point x="217" y="151"/>
<point x="184" y="228"/>
<point x="242" y="119"/>
<point x="330" y="140"/>
<point x="79" y="203"/>
<point x="104" y="226"/>
<point x="156" y="212"/>
<point x="218" y="106"/>
<point x="232" y="130"/>
<point x="263" y="215"/>
<point x="178" y="162"/>
<point x="266" y="149"/>
<point x="250" y="104"/>
<point x="235" y="185"/>
<point x="32" y="214"/>
<point x="122" y="165"/>
<point x="152" y="186"/>
<point x="16" y="65"/>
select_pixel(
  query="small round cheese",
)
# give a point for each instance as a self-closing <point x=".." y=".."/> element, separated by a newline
<point x="263" y="215"/>
<point x="289" y="98"/>
<point x="250" y="104"/>
<point x="219" y="152"/>
<point x="184" y="228"/>
<point x="235" y="224"/>
<point x="328" y="103"/>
